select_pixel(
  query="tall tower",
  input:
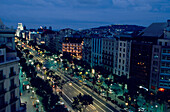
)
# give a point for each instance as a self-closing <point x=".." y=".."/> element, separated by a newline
<point x="19" y="29"/>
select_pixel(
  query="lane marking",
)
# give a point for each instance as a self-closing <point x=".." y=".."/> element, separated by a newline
<point x="87" y="93"/>
<point x="95" y="98"/>
<point x="68" y="97"/>
<point x="93" y="102"/>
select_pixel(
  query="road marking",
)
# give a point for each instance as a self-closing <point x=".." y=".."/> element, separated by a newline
<point x="68" y="97"/>
<point x="88" y="94"/>
<point x="94" y="102"/>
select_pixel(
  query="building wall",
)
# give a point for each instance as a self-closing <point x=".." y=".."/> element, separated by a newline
<point x="6" y="83"/>
<point x="86" y="51"/>
<point x="140" y="65"/>
<point x="155" y="67"/>
<point x="122" y="58"/>
<point x="97" y="49"/>
<point x="9" y="74"/>
<point x="74" y="49"/>
<point x="108" y="53"/>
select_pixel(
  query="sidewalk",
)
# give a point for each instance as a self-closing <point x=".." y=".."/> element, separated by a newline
<point x="25" y="97"/>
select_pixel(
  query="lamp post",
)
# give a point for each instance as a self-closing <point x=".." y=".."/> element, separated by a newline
<point x="127" y="105"/>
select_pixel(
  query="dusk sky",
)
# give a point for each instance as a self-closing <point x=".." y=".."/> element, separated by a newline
<point x="81" y="14"/>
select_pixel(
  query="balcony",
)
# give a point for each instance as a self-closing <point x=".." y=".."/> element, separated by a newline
<point x="13" y="87"/>
<point x="2" y="77"/>
<point x="13" y="100"/>
<point x="3" y="105"/>
<point x="12" y="74"/>
<point x="3" y="91"/>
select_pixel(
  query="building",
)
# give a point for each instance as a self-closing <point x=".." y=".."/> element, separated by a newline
<point x="87" y="49"/>
<point x="19" y="29"/>
<point x="108" y="53"/>
<point x="73" y="47"/>
<point x="122" y="55"/>
<point x="160" y="64"/>
<point x="9" y="73"/>
<point x="97" y="49"/>
<point x="141" y="53"/>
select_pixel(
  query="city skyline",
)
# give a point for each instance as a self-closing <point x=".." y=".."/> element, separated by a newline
<point x="82" y="14"/>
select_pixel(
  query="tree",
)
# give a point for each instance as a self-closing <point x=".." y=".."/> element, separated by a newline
<point x="31" y="56"/>
<point x="123" y="81"/>
<point x="82" y="101"/>
<point x="116" y="91"/>
<point x="108" y="83"/>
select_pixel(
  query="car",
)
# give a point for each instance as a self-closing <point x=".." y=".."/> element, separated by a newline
<point x="141" y="109"/>
<point x="110" y="91"/>
<point x="103" y="94"/>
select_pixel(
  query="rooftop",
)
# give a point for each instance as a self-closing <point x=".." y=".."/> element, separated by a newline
<point x="154" y="30"/>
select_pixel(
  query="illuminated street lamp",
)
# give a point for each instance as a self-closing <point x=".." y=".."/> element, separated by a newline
<point x="93" y="71"/>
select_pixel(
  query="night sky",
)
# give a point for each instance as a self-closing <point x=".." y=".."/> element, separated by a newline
<point x="81" y="14"/>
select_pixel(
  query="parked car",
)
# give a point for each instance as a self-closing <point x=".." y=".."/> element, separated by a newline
<point x="141" y="109"/>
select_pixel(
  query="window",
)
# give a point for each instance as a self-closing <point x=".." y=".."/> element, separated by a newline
<point x="160" y="43"/>
<point x="1" y="72"/>
<point x="123" y="55"/>
<point x="120" y="49"/>
<point x="9" y="40"/>
<point x="12" y="82"/>
<point x="155" y="56"/>
<point x="120" y="44"/>
<point x="13" y="107"/>
<point x="12" y="94"/>
<point x="124" y="50"/>
<point x="166" y="43"/>
<point x="156" y="50"/>
<point x="124" y="44"/>
<point x="2" y="101"/>
<point x="119" y="54"/>
<point x="155" y="63"/>
<point x="11" y="69"/>
<point x="122" y="67"/>
<point x="123" y="61"/>
<point x="1" y="86"/>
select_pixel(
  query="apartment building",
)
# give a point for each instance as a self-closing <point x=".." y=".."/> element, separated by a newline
<point x="9" y="78"/>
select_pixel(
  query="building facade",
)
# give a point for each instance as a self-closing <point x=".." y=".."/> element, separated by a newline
<point x="121" y="65"/>
<point x="160" y="69"/>
<point x="87" y="49"/>
<point x="108" y="53"/>
<point x="73" y="47"/>
<point x="9" y="73"/>
<point x="97" y="49"/>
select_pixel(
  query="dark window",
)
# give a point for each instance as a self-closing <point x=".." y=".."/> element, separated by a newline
<point x="2" y="101"/>
<point x="1" y="72"/>
<point x="160" y="43"/>
<point x="13" y="108"/>
<point x="1" y="86"/>
<point x="156" y="50"/>
<point x="9" y="39"/>
<point x="166" y="43"/>
<point x="122" y="67"/>
<point x="12" y="82"/>
<point x="11" y="69"/>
